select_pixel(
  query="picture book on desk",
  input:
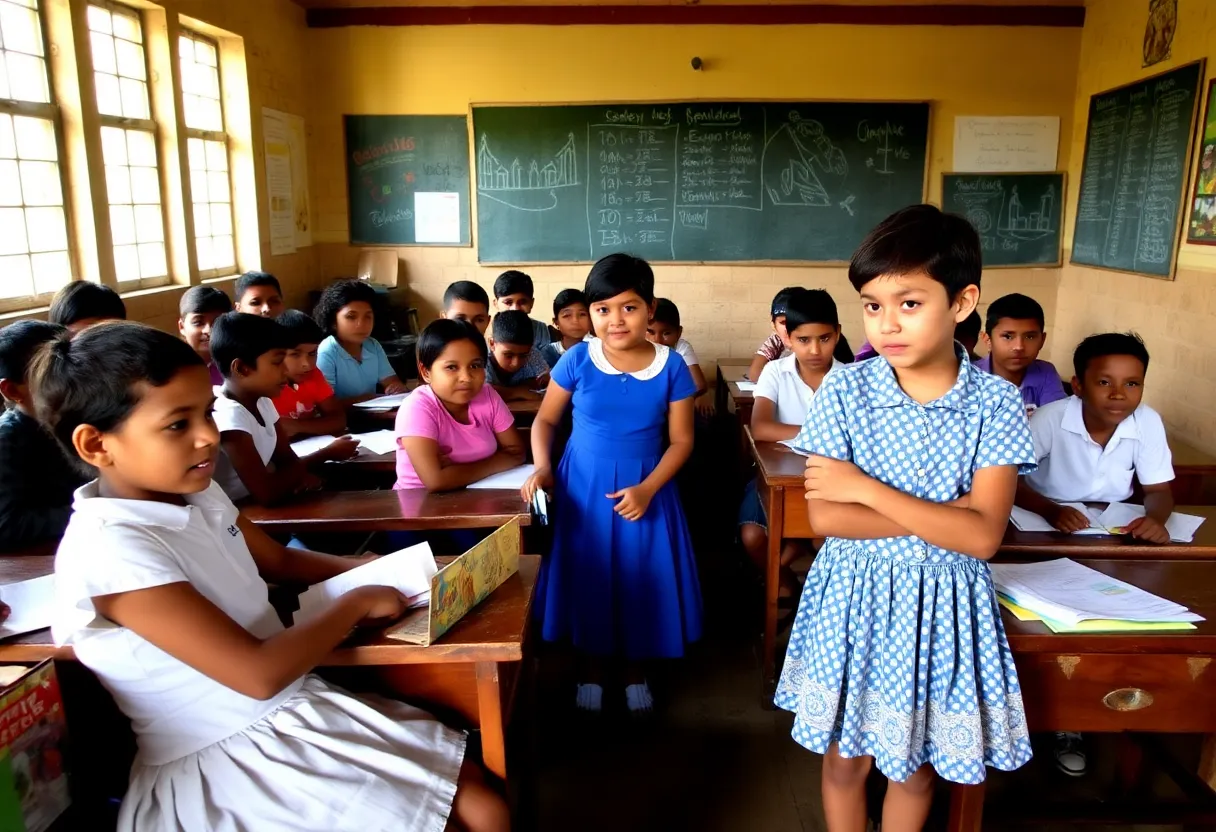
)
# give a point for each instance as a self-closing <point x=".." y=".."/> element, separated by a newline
<point x="462" y="585"/>
<point x="33" y="736"/>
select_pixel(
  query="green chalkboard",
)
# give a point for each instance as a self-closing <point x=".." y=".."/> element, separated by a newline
<point x="693" y="182"/>
<point x="1018" y="215"/>
<point x="407" y="179"/>
<point x="1133" y="175"/>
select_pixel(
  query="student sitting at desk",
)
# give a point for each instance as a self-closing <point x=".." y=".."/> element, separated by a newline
<point x="307" y="406"/>
<point x="259" y="293"/>
<point x="199" y="308"/>
<point x="783" y="396"/>
<point x="572" y="320"/>
<point x="161" y="587"/>
<point x="464" y="300"/>
<point x="352" y="361"/>
<point x="454" y="429"/>
<point x="36" y="478"/>
<point x="1014" y="332"/>
<point x="513" y="290"/>
<point x="515" y="367"/>
<point x="664" y="328"/>
<point x="82" y="303"/>
<point x="257" y="460"/>
<point x="776" y="345"/>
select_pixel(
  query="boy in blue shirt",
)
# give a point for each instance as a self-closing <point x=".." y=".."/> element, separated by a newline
<point x="1014" y="332"/>
<point x="513" y="290"/>
<point x="515" y="369"/>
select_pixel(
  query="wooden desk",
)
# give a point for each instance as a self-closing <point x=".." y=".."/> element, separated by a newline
<point x="1069" y="680"/>
<point x="472" y="671"/>
<point x="393" y="511"/>
<point x="728" y="370"/>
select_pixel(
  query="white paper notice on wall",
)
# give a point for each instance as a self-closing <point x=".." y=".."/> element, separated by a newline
<point x="436" y="217"/>
<point x="1011" y="144"/>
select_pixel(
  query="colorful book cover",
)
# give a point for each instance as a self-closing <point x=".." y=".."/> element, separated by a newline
<point x="33" y="737"/>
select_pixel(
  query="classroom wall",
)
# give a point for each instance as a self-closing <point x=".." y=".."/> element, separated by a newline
<point x="1176" y="318"/>
<point x="962" y="70"/>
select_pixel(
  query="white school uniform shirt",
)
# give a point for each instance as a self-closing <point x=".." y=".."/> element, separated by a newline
<point x="232" y="415"/>
<point x="113" y="546"/>
<point x="685" y="351"/>
<point x="1074" y="468"/>
<point x="780" y="383"/>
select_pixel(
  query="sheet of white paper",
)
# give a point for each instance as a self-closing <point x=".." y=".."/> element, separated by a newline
<point x="1066" y="591"/>
<point x="436" y="217"/>
<point x="383" y="402"/>
<point x="991" y="144"/>
<point x="32" y="603"/>
<point x="1028" y="521"/>
<point x="746" y="386"/>
<point x="1182" y="527"/>
<point x="513" y="478"/>
<point x="789" y="443"/>
<point x="376" y="442"/>
<point x="310" y="445"/>
<point x="409" y="570"/>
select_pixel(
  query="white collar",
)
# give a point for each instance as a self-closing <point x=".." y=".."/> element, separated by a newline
<point x="141" y="512"/>
<point x="1073" y="421"/>
<point x="596" y="350"/>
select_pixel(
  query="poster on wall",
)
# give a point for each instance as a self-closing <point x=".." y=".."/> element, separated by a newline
<point x="1203" y="207"/>
<point x="1005" y="144"/>
<point x="286" y="181"/>
<point x="1159" y="30"/>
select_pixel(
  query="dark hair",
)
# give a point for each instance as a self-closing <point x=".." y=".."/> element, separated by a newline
<point x="299" y="329"/>
<point x="567" y="297"/>
<point x="513" y="283"/>
<point x="619" y="273"/>
<point x="81" y="300"/>
<point x="239" y="336"/>
<point x="203" y="300"/>
<point x="666" y="312"/>
<point x="513" y="327"/>
<point x="920" y="238"/>
<point x="18" y="343"/>
<point x="467" y="291"/>
<point x="94" y="378"/>
<point x="781" y="301"/>
<point x="250" y="279"/>
<point x="968" y="327"/>
<point x="844" y="352"/>
<point x="1015" y="306"/>
<point x="810" y="306"/>
<point x="439" y="333"/>
<point x="337" y="295"/>
<point x="1108" y="343"/>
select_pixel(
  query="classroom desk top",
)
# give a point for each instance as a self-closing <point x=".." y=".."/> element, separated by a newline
<point x="409" y="510"/>
<point x="777" y="464"/>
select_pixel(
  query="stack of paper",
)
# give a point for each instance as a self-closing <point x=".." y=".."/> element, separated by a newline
<point x="1067" y="595"/>
<point x="31" y="603"/>
<point x="746" y="386"/>
<point x="409" y="571"/>
<point x="389" y="402"/>
<point x="1113" y="520"/>
<point x="515" y="478"/>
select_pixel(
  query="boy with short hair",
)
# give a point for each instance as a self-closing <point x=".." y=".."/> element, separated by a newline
<point x="664" y="328"/>
<point x="307" y="406"/>
<point x="466" y="301"/>
<point x="82" y="303"/>
<point x="775" y="345"/>
<point x="197" y="311"/>
<point x="36" y="477"/>
<point x="259" y="293"/>
<point x="1014" y="332"/>
<point x="513" y="290"/>
<point x="256" y="459"/>
<point x="515" y="369"/>
<point x="572" y="320"/>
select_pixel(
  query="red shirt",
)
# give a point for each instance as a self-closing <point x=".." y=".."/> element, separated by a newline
<point x="302" y="399"/>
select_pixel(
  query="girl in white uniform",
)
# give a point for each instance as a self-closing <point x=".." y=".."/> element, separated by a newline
<point x="161" y="589"/>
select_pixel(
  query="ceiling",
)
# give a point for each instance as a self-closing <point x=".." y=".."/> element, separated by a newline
<point x="346" y="4"/>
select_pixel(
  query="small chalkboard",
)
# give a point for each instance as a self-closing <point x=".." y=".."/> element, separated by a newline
<point x="408" y="180"/>
<point x="1018" y="215"/>
<point x="1134" y="173"/>
<point x="693" y="181"/>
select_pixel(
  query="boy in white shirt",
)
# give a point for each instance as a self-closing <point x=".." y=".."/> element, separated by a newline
<point x="664" y="328"/>
<point x="783" y="397"/>
<point x="1088" y="447"/>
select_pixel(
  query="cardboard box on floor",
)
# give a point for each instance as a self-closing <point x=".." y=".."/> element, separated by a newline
<point x="33" y="736"/>
<point x="461" y="585"/>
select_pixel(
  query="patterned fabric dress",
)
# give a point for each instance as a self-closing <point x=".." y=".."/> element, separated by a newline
<point x="897" y="651"/>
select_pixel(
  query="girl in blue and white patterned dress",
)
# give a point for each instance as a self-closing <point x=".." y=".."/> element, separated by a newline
<point x="897" y="653"/>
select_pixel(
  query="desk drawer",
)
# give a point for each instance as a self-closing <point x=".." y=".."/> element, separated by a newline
<point x="1118" y="692"/>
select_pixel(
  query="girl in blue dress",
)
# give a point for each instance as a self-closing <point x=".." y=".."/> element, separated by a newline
<point x="897" y="655"/>
<point x="621" y="580"/>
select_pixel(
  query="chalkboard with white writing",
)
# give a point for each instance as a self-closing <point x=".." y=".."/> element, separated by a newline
<point x="692" y="182"/>
<point x="1134" y="173"/>
<point x="1017" y="215"/>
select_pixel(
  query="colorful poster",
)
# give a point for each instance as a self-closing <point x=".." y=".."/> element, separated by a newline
<point x="286" y="181"/>
<point x="1203" y="207"/>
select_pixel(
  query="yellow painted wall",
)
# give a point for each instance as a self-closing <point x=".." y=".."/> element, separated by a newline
<point x="962" y="70"/>
<point x="1176" y="318"/>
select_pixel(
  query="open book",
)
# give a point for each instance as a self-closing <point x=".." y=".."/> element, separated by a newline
<point x="1114" y="519"/>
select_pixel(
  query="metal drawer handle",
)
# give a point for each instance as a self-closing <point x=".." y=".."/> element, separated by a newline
<point x="1127" y="699"/>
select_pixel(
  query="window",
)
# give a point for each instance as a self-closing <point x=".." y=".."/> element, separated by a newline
<point x="207" y="145"/>
<point x="34" y="258"/>
<point x="128" y="142"/>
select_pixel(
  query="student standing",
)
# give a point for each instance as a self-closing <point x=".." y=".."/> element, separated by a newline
<point x="81" y="304"/>
<point x="1015" y="332"/>
<point x="199" y="308"/>
<point x="352" y="361"/>
<point x="897" y="656"/>
<point x="161" y="592"/>
<point x="621" y="580"/>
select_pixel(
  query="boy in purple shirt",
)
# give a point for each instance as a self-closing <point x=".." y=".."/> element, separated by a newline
<point x="1014" y="334"/>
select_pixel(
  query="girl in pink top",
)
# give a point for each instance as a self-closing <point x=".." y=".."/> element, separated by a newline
<point x="453" y="430"/>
